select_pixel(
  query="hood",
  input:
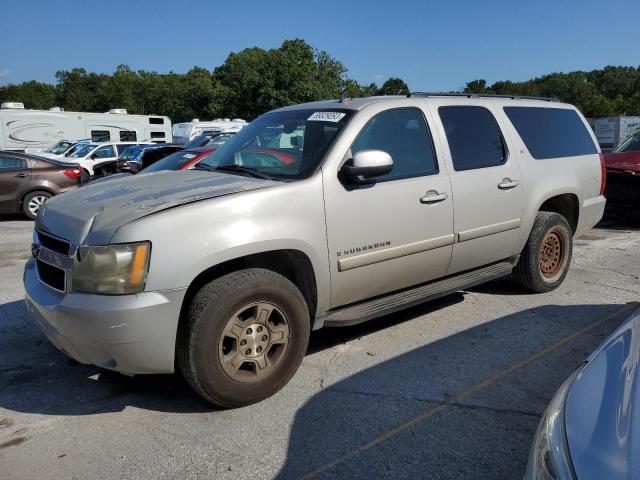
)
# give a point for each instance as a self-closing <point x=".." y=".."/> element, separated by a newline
<point x="624" y="161"/>
<point x="603" y="408"/>
<point x="91" y="215"/>
<point x="48" y="155"/>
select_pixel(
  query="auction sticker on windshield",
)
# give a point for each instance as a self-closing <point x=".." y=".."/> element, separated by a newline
<point x="326" y="117"/>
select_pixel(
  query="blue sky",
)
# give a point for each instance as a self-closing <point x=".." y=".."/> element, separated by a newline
<point x="432" y="45"/>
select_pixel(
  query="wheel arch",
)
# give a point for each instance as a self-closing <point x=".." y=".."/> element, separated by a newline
<point x="565" y="204"/>
<point x="292" y="264"/>
<point x="35" y="188"/>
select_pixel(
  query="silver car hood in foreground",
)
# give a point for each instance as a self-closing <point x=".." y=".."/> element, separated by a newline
<point x="92" y="214"/>
<point x="603" y="409"/>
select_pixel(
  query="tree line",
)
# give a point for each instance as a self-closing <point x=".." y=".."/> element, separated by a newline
<point x="255" y="80"/>
<point x="246" y="85"/>
<point x="606" y="92"/>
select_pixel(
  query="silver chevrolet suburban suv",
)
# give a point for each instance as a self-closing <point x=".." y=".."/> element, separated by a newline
<point x="323" y="214"/>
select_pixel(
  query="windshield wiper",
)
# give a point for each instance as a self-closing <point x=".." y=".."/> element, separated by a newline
<point x="241" y="169"/>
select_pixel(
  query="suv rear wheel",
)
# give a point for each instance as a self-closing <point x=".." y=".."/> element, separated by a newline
<point x="245" y="336"/>
<point x="33" y="201"/>
<point x="545" y="260"/>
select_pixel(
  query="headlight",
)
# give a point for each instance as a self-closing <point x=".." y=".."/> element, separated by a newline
<point x="549" y="458"/>
<point x="111" y="270"/>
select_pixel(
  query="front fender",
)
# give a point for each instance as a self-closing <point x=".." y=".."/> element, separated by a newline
<point x="189" y="239"/>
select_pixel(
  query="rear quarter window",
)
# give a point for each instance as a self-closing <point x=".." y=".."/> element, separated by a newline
<point x="551" y="132"/>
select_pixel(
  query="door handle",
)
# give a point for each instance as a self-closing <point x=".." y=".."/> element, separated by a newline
<point x="20" y="175"/>
<point x="507" y="184"/>
<point x="432" y="196"/>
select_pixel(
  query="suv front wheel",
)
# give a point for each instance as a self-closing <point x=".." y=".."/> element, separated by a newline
<point x="545" y="259"/>
<point x="244" y="337"/>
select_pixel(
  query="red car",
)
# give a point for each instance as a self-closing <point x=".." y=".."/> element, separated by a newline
<point x="623" y="172"/>
<point x="180" y="160"/>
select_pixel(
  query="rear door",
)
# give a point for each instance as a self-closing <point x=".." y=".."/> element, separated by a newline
<point x="14" y="181"/>
<point x="486" y="185"/>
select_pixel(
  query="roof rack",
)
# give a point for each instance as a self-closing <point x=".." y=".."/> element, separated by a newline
<point x="481" y="95"/>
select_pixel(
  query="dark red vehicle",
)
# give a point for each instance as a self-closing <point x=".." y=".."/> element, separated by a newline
<point x="623" y="172"/>
<point x="181" y="160"/>
<point x="27" y="181"/>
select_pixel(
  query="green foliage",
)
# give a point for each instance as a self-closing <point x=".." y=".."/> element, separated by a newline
<point x="598" y="93"/>
<point x="394" y="86"/>
<point x="255" y="80"/>
<point x="246" y="85"/>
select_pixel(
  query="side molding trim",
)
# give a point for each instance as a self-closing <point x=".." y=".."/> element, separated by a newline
<point x="488" y="230"/>
<point x="370" y="258"/>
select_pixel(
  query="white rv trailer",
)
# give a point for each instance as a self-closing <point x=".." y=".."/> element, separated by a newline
<point x="186" y="131"/>
<point x="35" y="130"/>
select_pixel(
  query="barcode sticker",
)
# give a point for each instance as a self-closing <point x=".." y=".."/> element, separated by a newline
<point x="326" y="117"/>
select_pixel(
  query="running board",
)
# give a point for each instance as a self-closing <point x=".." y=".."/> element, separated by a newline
<point x="379" y="306"/>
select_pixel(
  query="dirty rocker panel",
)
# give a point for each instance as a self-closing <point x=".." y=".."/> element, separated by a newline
<point x="383" y="305"/>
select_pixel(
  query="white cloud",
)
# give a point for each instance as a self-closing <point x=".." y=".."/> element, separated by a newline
<point x="4" y="72"/>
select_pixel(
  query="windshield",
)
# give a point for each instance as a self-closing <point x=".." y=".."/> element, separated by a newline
<point x="74" y="149"/>
<point x="202" y="140"/>
<point x="83" y="152"/>
<point x="631" y="144"/>
<point x="59" y="148"/>
<point x="131" y="153"/>
<point x="175" y="161"/>
<point x="287" y="145"/>
<point x="218" y="140"/>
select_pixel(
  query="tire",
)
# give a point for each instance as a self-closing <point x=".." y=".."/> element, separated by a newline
<point x="221" y="329"/>
<point x="32" y="202"/>
<point x="546" y="257"/>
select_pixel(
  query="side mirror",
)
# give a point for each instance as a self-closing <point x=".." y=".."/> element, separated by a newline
<point x="367" y="164"/>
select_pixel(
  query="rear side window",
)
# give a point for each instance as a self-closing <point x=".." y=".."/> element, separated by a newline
<point x="403" y="134"/>
<point x="156" y="120"/>
<point x="551" y="132"/>
<point x="157" y="134"/>
<point x="104" y="152"/>
<point x="9" y="163"/>
<point x="128" y="136"/>
<point x="474" y="138"/>
<point x="100" y="136"/>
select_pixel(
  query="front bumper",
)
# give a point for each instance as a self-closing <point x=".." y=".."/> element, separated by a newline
<point x="131" y="334"/>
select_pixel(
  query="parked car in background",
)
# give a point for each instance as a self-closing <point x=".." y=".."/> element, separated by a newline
<point x="184" y="132"/>
<point x="323" y="214"/>
<point x="63" y="149"/>
<point x="27" y="181"/>
<point x="208" y="139"/>
<point x="623" y="172"/>
<point x="94" y="154"/>
<point x="591" y="428"/>
<point x="134" y="159"/>
<point x="182" y="160"/>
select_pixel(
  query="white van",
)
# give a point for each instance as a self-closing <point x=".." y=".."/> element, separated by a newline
<point x="94" y="154"/>
<point x="36" y="130"/>
<point x="187" y="131"/>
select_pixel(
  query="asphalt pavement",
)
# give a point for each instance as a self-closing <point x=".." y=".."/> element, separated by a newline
<point x="450" y="389"/>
